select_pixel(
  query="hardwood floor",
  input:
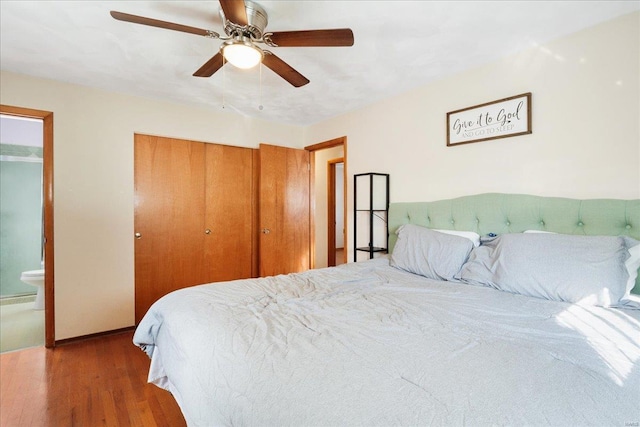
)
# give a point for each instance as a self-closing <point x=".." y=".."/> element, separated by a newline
<point x="96" y="382"/>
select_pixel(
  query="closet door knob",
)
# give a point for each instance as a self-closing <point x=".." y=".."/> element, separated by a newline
<point x="138" y="236"/>
<point x="207" y="231"/>
<point x="266" y="231"/>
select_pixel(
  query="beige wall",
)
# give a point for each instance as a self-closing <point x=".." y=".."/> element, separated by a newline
<point x="93" y="186"/>
<point x="585" y="144"/>
<point x="586" y="125"/>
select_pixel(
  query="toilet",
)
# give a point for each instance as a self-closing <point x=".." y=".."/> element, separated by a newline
<point x="35" y="278"/>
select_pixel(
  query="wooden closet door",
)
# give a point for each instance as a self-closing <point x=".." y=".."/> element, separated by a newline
<point x="229" y="211"/>
<point x="284" y="210"/>
<point x="169" y="217"/>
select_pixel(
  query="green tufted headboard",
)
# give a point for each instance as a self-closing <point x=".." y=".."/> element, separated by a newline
<point x="514" y="213"/>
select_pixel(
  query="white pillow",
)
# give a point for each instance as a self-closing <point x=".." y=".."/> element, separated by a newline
<point x="590" y="270"/>
<point x="471" y="235"/>
<point x="429" y="253"/>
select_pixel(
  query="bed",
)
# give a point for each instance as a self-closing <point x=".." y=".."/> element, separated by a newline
<point x="458" y="340"/>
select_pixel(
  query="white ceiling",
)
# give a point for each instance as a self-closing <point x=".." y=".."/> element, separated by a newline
<point x="399" y="45"/>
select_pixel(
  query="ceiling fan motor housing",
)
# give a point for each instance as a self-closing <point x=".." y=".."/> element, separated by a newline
<point x="257" y="21"/>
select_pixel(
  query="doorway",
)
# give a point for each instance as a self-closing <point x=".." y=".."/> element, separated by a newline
<point x="323" y="155"/>
<point x="335" y="212"/>
<point x="47" y="210"/>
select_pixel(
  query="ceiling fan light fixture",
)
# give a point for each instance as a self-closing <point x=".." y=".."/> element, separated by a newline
<point x="241" y="53"/>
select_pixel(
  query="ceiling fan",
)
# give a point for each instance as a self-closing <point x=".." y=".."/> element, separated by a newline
<point x="244" y="23"/>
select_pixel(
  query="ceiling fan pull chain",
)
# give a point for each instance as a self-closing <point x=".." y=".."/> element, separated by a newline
<point x="260" y="107"/>
<point x="224" y="77"/>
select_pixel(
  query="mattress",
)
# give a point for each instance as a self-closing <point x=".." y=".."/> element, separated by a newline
<point x="368" y="344"/>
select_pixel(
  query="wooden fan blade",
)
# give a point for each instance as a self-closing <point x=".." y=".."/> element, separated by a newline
<point x="234" y="11"/>
<point x="162" y="24"/>
<point x="210" y="67"/>
<point x="284" y="70"/>
<point x="337" y="37"/>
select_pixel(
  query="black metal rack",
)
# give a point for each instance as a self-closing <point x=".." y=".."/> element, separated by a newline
<point x="376" y="212"/>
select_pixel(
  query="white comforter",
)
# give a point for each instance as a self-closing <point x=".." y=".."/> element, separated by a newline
<point x="366" y="344"/>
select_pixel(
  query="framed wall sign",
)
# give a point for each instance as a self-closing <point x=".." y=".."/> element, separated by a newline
<point x="497" y="119"/>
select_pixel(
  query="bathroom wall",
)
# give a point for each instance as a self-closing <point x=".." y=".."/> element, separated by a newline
<point x="20" y="216"/>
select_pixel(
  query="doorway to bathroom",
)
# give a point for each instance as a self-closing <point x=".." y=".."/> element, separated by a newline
<point x="26" y="225"/>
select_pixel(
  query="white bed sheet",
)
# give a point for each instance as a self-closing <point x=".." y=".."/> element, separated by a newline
<point x="367" y="344"/>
